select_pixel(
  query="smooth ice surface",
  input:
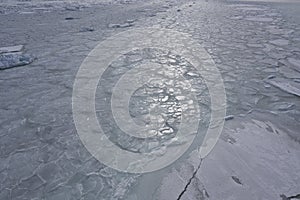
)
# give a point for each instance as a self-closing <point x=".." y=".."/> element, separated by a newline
<point x="254" y="160"/>
<point x="10" y="49"/>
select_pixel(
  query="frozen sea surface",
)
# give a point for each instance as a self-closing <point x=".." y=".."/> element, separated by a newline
<point x="32" y="6"/>
<point x="254" y="45"/>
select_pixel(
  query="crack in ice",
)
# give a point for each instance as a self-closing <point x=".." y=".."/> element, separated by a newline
<point x="190" y="181"/>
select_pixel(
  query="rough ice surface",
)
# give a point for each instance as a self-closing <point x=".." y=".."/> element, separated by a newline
<point x="294" y="62"/>
<point x="162" y="100"/>
<point x="280" y="42"/>
<point x="255" y="48"/>
<point x="252" y="158"/>
<point x="12" y="56"/>
<point x="286" y="85"/>
<point x="29" y="7"/>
